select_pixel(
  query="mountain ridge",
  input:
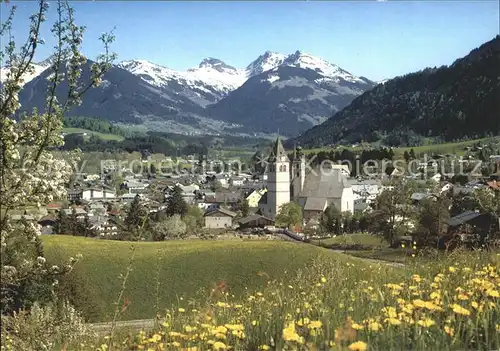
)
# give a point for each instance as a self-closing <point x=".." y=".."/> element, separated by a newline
<point x="447" y="103"/>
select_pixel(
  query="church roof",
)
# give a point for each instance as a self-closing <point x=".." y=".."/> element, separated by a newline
<point x="325" y="184"/>
<point x="277" y="151"/>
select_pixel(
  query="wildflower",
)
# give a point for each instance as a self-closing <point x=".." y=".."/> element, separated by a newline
<point x="426" y="322"/>
<point x="374" y="326"/>
<point x="264" y="347"/>
<point x="449" y="330"/>
<point x="416" y="278"/>
<point x="393" y="321"/>
<point x="358" y="346"/>
<point x="492" y="293"/>
<point x="452" y="269"/>
<point x="315" y="325"/>
<point x="462" y="297"/>
<point x="181" y="310"/>
<point x="474" y="304"/>
<point x="219" y="346"/>
<point x="290" y="334"/>
<point x="460" y="310"/>
<point x="323" y="279"/>
<point x="303" y="321"/>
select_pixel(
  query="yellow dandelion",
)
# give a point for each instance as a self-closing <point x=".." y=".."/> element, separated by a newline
<point x="290" y="334"/>
<point x="426" y="322"/>
<point x="181" y="310"/>
<point x="374" y="326"/>
<point x="393" y="321"/>
<point x="219" y="346"/>
<point x="449" y="330"/>
<point x="460" y="310"/>
<point x="323" y="279"/>
<point x="452" y="269"/>
<point x="315" y="325"/>
<point x="264" y="347"/>
<point x="492" y="293"/>
<point x="303" y="321"/>
<point x="358" y="346"/>
<point x="419" y="303"/>
<point x="462" y="297"/>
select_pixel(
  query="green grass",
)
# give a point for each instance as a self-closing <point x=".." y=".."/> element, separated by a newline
<point x="103" y="136"/>
<point x="186" y="269"/>
<point x="357" y="238"/>
<point x="456" y="148"/>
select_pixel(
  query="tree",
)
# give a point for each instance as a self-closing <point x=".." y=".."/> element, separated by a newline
<point x="243" y="206"/>
<point x="176" y="203"/>
<point x="392" y="211"/>
<point x="412" y="155"/>
<point x="290" y="214"/>
<point x="62" y="225"/>
<point x="193" y="219"/>
<point x="330" y="220"/>
<point x="171" y="228"/>
<point x="406" y="156"/>
<point x="432" y="220"/>
<point x="136" y="215"/>
<point x="29" y="173"/>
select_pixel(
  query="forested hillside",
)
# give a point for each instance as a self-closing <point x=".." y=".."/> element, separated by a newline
<point x="453" y="102"/>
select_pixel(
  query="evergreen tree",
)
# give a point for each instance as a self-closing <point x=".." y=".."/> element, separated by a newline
<point x="406" y="156"/>
<point x="243" y="207"/>
<point x="62" y="223"/>
<point x="136" y="215"/>
<point x="412" y="154"/>
<point x="176" y="203"/>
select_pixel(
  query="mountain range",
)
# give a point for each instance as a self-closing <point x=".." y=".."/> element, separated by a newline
<point x="448" y="103"/>
<point x="275" y="92"/>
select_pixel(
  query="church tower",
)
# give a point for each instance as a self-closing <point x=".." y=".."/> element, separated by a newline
<point x="298" y="172"/>
<point x="278" y="179"/>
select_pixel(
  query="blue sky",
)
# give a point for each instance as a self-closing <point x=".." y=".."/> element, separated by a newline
<point x="371" y="38"/>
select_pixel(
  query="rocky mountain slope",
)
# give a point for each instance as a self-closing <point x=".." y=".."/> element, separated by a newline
<point x="446" y="103"/>
<point x="299" y="92"/>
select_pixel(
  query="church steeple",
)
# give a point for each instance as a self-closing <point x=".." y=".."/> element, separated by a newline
<point x="278" y="153"/>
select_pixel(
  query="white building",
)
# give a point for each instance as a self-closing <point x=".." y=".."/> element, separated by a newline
<point x="98" y="194"/>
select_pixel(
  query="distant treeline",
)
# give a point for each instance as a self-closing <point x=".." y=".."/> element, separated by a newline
<point x="95" y="125"/>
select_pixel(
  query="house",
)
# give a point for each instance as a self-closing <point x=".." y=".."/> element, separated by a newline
<point x="473" y="227"/>
<point x="98" y="194"/>
<point x="254" y="197"/>
<point x="255" y="221"/>
<point x="237" y="181"/>
<point x="47" y="223"/>
<point x="80" y="212"/>
<point x="365" y="190"/>
<point x="74" y="195"/>
<point x="226" y="198"/>
<point x="53" y="207"/>
<point x="219" y="218"/>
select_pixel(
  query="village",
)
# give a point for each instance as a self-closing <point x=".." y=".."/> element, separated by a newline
<point x="235" y="200"/>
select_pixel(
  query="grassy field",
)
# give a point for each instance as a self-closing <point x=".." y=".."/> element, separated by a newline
<point x="103" y="136"/>
<point x="183" y="269"/>
<point x="450" y="303"/>
<point x="357" y="238"/>
<point x="456" y="148"/>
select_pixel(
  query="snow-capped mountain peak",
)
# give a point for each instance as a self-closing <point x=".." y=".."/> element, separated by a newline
<point x="265" y="62"/>
<point x="38" y="68"/>
<point x="216" y="64"/>
<point x="308" y="61"/>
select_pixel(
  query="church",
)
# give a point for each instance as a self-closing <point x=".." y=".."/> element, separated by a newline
<point x="314" y="192"/>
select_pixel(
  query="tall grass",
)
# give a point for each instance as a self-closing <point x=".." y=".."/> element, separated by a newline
<point x="450" y="304"/>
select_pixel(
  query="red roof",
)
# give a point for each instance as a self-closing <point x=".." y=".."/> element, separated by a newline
<point x="54" y="206"/>
<point x="494" y="185"/>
